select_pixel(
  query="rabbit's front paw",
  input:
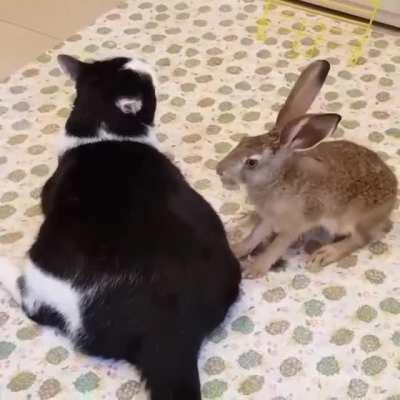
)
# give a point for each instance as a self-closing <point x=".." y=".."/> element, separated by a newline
<point x="251" y="270"/>
<point x="251" y="273"/>
<point x="240" y="249"/>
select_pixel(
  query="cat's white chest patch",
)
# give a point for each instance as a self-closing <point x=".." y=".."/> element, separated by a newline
<point x="45" y="289"/>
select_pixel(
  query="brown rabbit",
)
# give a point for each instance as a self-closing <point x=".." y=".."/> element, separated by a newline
<point x="297" y="183"/>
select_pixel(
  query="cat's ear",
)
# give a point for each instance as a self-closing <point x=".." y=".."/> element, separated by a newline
<point x="70" y="65"/>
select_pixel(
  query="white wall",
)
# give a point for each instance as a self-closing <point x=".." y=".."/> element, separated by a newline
<point x="387" y="5"/>
<point x="389" y="10"/>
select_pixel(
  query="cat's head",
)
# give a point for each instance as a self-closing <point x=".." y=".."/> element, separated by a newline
<point x="116" y="95"/>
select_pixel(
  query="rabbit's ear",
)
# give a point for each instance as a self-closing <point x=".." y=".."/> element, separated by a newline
<point x="304" y="92"/>
<point x="307" y="131"/>
<point x="70" y="65"/>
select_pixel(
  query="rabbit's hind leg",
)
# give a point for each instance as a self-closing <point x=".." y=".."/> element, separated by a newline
<point x="377" y="230"/>
<point x="334" y="252"/>
<point x="370" y="228"/>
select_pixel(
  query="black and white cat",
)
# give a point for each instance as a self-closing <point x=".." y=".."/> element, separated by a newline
<point x="130" y="262"/>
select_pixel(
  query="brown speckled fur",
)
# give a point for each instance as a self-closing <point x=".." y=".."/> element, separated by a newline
<point x="353" y="171"/>
<point x="339" y="185"/>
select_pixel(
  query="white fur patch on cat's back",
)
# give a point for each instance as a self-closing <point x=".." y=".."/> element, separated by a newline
<point x="45" y="289"/>
<point x="67" y="142"/>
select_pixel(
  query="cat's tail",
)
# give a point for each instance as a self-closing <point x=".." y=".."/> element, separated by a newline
<point x="184" y="385"/>
<point x="170" y="369"/>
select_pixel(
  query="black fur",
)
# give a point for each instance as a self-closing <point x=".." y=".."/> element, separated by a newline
<point x="120" y="218"/>
<point x="99" y="85"/>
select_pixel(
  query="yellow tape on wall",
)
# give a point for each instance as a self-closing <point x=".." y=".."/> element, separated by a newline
<point x="368" y="12"/>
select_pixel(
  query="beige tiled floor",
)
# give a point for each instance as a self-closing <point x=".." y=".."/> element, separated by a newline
<point x="29" y="27"/>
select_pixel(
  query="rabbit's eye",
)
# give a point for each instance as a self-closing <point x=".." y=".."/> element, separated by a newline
<point x="251" y="163"/>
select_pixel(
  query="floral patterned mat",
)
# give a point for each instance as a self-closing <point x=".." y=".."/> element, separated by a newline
<point x="296" y="334"/>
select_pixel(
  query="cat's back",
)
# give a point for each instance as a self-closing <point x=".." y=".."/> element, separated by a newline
<point x="117" y="202"/>
<point x="114" y="176"/>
